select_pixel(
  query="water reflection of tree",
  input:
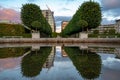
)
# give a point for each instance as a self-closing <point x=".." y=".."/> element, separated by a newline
<point x="33" y="62"/>
<point x="13" y="52"/>
<point x="86" y="62"/>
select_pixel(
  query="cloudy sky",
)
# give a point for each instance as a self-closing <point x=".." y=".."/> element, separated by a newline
<point x="63" y="9"/>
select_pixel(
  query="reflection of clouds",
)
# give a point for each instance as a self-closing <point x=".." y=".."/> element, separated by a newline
<point x="58" y="48"/>
<point x="9" y="63"/>
<point x="112" y="63"/>
<point x="58" y="51"/>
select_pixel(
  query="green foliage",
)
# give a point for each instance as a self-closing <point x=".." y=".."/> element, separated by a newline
<point x="111" y="31"/>
<point x="81" y="25"/>
<point x="13" y="30"/>
<point x="33" y="62"/>
<point x="91" y="12"/>
<point x="118" y="35"/>
<point x="75" y="26"/>
<point x="86" y="62"/>
<point x="104" y="35"/>
<point x="43" y="35"/>
<point x="36" y="25"/>
<point x="93" y="35"/>
<point x="12" y="52"/>
<point x="54" y="34"/>
<point x="96" y="32"/>
<point x="105" y="31"/>
<point x="86" y="17"/>
<point x="32" y="12"/>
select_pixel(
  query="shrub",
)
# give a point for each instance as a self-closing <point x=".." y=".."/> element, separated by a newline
<point x="96" y="32"/>
<point x="32" y="12"/>
<point x="91" y="12"/>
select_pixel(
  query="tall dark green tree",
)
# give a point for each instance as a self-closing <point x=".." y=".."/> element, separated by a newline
<point x="31" y="13"/>
<point x="88" y="13"/>
<point x="33" y="62"/>
<point x="91" y="12"/>
<point x="36" y="25"/>
<point x="86" y="62"/>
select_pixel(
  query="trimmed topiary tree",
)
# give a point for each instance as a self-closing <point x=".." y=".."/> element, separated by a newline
<point x="91" y="12"/>
<point x="33" y="62"/>
<point x="86" y="62"/>
<point x="36" y="25"/>
<point x="86" y="17"/>
<point x="31" y="13"/>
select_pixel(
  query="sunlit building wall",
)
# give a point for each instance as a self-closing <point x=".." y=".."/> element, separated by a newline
<point x="49" y="15"/>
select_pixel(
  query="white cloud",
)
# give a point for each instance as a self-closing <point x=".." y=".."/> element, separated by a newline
<point x="112" y="63"/>
<point x="64" y="7"/>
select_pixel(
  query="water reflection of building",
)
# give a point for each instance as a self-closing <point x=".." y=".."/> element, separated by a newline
<point x="49" y="62"/>
<point x="83" y="47"/>
<point x="107" y="50"/>
<point x="117" y="53"/>
<point x="103" y="50"/>
<point x="35" y="47"/>
<point x="63" y="53"/>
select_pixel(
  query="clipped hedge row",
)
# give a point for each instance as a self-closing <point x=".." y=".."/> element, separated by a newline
<point x="32" y="12"/>
<point x="86" y="17"/>
<point x="86" y="62"/>
<point x="13" y="30"/>
<point x="33" y="62"/>
<point x="13" y="52"/>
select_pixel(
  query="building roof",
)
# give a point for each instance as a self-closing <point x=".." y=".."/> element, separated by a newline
<point x="117" y="20"/>
<point x="65" y="21"/>
<point x="108" y="25"/>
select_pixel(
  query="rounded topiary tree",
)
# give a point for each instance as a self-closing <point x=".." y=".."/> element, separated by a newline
<point x="81" y="25"/>
<point x="86" y="17"/>
<point x="36" y="25"/>
<point x="91" y="12"/>
<point x="30" y="13"/>
<point x="88" y="63"/>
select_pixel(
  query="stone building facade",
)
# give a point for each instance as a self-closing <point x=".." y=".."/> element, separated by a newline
<point x="49" y="15"/>
<point x="118" y="25"/>
<point x="50" y="60"/>
<point x="107" y="27"/>
<point x="64" y="24"/>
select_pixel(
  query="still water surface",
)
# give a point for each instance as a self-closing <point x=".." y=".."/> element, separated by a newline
<point x="60" y="63"/>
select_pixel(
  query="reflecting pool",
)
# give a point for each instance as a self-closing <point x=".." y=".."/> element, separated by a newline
<point x="59" y="62"/>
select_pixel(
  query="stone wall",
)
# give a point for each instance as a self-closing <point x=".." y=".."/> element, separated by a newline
<point x="35" y="35"/>
<point x="83" y="35"/>
<point x="59" y="40"/>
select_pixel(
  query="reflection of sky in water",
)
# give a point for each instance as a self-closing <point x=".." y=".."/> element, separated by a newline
<point x="9" y="63"/>
<point x="109" y="61"/>
<point x="11" y="74"/>
<point x="63" y="67"/>
<point x="110" y="67"/>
